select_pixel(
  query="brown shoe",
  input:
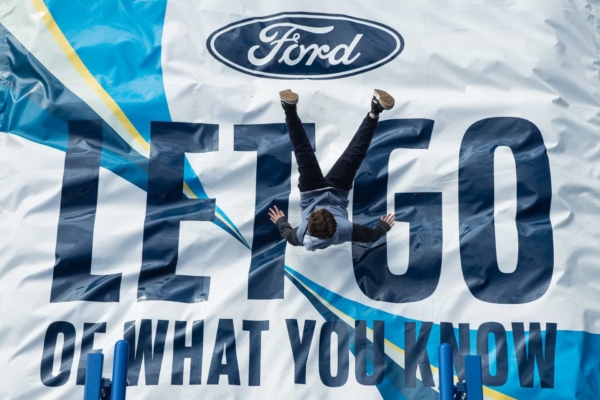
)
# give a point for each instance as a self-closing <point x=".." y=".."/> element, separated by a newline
<point x="381" y="101"/>
<point x="288" y="96"/>
<point x="289" y="100"/>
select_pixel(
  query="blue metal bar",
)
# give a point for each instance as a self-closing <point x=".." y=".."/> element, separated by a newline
<point x="93" y="376"/>
<point x="446" y="376"/>
<point x="120" y="365"/>
<point x="473" y="374"/>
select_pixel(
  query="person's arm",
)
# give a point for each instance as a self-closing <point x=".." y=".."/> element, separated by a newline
<point x="366" y="234"/>
<point x="287" y="232"/>
<point x="285" y="229"/>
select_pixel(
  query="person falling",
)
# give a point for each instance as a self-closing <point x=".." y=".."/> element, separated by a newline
<point x="324" y="199"/>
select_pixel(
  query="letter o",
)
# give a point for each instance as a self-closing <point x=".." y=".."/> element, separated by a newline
<point x="66" y="359"/>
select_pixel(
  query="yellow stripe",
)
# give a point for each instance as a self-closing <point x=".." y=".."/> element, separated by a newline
<point x="85" y="73"/>
<point x="486" y="390"/>
<point x="192" y="195"/>
<point x="66" y="47"/>
<point x="496" y="395"/>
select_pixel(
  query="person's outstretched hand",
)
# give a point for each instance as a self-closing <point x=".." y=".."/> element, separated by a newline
<point x="275" y="213"/>
<point x="388" y="219"/>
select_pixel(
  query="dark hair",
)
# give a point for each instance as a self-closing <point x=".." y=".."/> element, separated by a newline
<point x="321" y="224"/>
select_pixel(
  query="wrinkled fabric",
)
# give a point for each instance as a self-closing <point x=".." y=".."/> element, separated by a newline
<point x="143" y="143"/>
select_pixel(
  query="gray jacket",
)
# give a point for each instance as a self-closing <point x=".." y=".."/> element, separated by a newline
<point x="336" y="202"/>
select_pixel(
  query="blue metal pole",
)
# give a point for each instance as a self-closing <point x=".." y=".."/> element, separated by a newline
<point x="446" y="376"/>
<point x="120" y="365"/>
<point x="474" y="381"/>
<point x="93" y="376"/>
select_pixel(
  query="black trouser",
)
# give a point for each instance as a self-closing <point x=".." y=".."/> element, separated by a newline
<point x="341" y="175"/>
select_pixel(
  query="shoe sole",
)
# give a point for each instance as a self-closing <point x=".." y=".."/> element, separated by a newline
<point x="386" y="100"/>
<point x="288" y="96"/>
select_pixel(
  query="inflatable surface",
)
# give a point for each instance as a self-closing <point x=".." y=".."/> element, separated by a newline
<point x="143" y="142"/>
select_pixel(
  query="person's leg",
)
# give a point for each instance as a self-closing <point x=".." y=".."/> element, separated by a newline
<point x="342" y="173"/>
<point x="311" y="177"/>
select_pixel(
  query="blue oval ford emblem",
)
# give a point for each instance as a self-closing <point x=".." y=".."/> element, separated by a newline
<point x="305" y="46"/>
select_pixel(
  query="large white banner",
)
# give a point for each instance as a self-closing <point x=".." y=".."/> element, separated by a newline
<point x="142" y="144"/>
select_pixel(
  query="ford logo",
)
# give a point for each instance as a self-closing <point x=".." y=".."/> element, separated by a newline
<point x="303" y="45"/>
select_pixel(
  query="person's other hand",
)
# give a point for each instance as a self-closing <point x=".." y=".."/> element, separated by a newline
<point x="275" y="213"/>
<point x="388" y="219"/>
